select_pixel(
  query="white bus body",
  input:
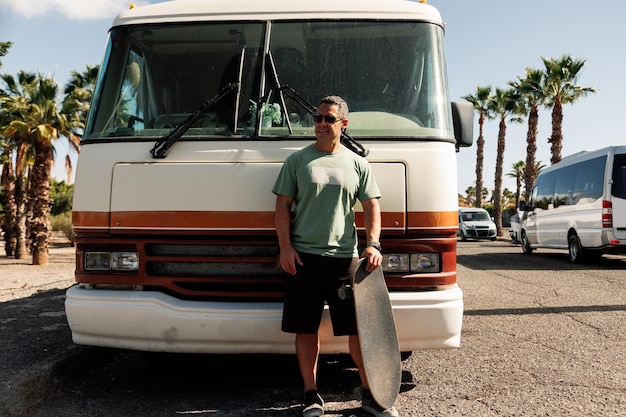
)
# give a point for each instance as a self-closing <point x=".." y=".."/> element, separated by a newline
<point x="579" y="204"/>
<point x="174" y="216"/>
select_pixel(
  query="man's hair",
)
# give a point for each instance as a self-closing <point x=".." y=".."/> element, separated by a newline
<point x="339" y="102"/>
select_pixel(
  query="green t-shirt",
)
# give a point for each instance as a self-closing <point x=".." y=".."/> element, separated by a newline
<point x="325" y="187"/>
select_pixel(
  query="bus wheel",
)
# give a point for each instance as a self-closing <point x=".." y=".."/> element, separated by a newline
<point x="526" y="248"/>
<point x="575" y="249"/>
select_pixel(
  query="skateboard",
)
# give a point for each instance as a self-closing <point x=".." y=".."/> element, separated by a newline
<point x="377" y="332"/>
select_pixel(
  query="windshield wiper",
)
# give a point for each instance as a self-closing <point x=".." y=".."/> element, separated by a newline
<point x="346" y="140"/>
<point x="162" y="146"/>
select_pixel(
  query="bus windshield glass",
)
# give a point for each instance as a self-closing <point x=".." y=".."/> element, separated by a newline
<point x="268" y="76"/>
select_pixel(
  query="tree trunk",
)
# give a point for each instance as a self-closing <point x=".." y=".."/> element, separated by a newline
<point x="497" y="194"/>
<point x="7" y="181"/>
<point x="19" y="196"/>
<point x="531" y="151"/>
<point x="557" y="134"/>
<point x="40" y="193"/>
<point x="480" y="156"/>
<point x="518" y="189"/>
<point x="40" y="256"/>
<point x="19" y="227"/>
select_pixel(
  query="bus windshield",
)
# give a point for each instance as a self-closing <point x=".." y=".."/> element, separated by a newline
<point x="268" y="76"/>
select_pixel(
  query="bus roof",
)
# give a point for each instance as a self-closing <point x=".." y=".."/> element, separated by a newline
<point x="237" y="10"/>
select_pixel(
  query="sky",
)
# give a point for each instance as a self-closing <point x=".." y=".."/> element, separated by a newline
<point x="488" y="42"/>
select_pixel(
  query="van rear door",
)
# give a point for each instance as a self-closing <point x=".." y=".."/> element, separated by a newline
<point x="618" y="196"/>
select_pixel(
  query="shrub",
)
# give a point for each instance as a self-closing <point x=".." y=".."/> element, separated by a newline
<point x="63" y="223"/>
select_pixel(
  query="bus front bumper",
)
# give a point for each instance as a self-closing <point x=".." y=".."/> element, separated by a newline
<point x="153" y="321"/>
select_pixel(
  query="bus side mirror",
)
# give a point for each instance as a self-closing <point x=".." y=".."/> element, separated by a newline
<point x="463" y="121"/>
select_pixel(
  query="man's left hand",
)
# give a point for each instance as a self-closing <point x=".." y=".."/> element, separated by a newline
<point x="374" y="258"/>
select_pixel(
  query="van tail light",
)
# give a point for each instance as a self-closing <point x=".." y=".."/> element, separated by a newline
<point x="607" y="214"/>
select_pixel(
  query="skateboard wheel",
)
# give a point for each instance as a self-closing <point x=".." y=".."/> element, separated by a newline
<point x="344" y="292"/>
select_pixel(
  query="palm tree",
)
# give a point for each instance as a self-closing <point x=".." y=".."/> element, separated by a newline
<point x="502" y="103"/>
<point x="470" y="192"/>
<point x="17" y="107"/>
<point x="538" y="167"/>
<point x="4" y="49"/>
<point x="7" y="184"/>
<point x="34" y="123"/>
<point x="47" y="123"/>
<point x="531" y="89"/>
<point x="480" y="101"/>
<point x="560" y="87"/>
<point x="507" y="196"/>
<point x="517" y="172"/>
<point x="78" y="95"/>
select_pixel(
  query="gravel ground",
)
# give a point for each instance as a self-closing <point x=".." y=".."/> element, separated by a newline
<point x="20" y="279"/>
<point x="541" y="337"/>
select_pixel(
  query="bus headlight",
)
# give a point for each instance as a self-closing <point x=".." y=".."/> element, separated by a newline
<point x="396" y="262"/>
<point x="126" y="261"/>
<point x="117" y="261"/>
<point x="97" y="261"/>
<point x="424" y="262"/>
<point x="414" y="262"/>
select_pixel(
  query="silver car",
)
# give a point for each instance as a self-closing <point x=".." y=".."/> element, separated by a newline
<point x="475" y="223"/>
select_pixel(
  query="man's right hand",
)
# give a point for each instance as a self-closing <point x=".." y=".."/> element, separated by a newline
<point x="288" y="259"/>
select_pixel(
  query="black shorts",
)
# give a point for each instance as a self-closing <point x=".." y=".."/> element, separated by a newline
<point x="316" y="282"/>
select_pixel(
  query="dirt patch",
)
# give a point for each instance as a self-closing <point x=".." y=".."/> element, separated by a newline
<point x="19" y="278"/>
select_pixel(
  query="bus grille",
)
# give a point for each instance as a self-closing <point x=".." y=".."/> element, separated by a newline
<point x="215" y="271"/>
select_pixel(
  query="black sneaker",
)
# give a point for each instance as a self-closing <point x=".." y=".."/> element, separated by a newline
<point x="313" y="404"/>
<point x="371" y="406"/>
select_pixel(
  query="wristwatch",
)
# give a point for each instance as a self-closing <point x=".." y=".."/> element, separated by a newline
<point x="375" y="245"/>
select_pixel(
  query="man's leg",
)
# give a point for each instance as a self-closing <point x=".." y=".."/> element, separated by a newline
<point x="307" y="351"/>
<point x="355" y="352"/>
<point x="367" y="401"/>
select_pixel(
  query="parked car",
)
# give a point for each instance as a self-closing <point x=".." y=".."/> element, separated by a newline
<point x="515" y="231"/>
<point x="475" y="223"/>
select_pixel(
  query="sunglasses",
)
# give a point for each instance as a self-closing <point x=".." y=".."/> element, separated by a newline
<point x="329" y="118"/>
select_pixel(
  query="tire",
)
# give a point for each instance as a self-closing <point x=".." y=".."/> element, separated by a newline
<point x="526" y="248"/>
<point x="575" y="249"/>
<point x="463" y="237"/>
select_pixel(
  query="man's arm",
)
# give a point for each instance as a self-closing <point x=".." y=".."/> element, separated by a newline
<point x="371" y="212"/>
<point x="282" y="220"/>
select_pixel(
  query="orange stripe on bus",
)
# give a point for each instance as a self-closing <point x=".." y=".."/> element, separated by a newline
<point x="433" y="219"/>
<point x="90" y="219"/>
<point x="240" y="219"/>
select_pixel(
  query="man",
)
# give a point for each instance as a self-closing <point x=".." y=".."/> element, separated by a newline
<point x="318" y="247"/>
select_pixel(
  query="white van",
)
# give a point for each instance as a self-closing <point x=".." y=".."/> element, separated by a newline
<point x="475" y="223"/>
<point x="579" y="204"/>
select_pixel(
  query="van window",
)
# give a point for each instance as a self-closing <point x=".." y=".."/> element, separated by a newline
<point x="619" y="176"/>
<point x="545" y="190"/>
<point x="475" y="216"/>
<point x="564" y="186"/>
<point x="589" y="180"/>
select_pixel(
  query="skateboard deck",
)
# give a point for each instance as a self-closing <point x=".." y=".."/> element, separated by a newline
<point x="377" y="334"/>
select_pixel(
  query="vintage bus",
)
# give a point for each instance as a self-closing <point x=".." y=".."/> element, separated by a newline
<point x="579" y="204"/>
<point x="197" y="105"/>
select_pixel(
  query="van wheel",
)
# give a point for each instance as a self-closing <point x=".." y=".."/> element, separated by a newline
<point x="575" y="249"/>
<point x="526" y="248"/>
